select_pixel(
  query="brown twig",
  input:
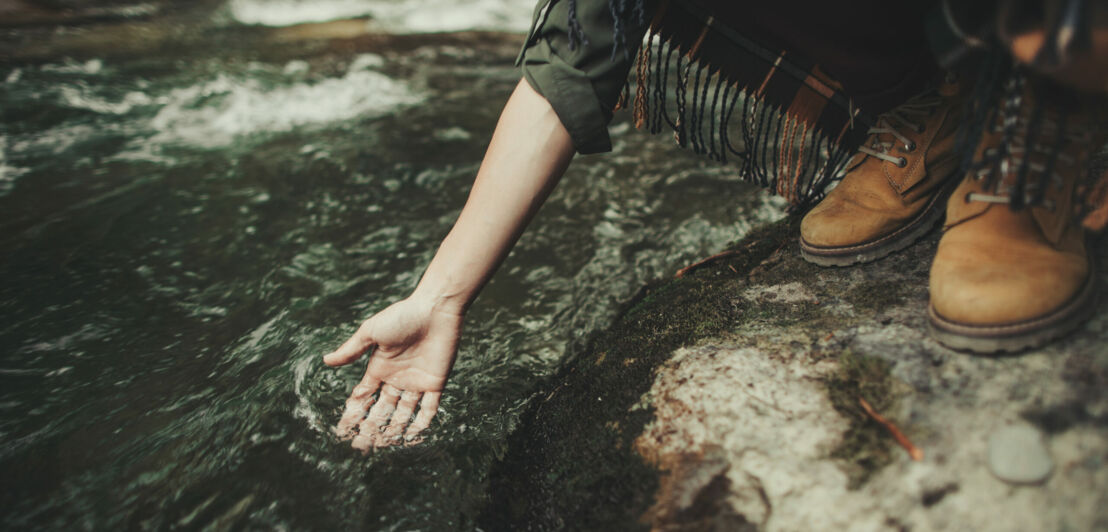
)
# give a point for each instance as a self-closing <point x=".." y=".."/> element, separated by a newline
<point x="713" y="258"/>
<point x="915" y="452"/>
<point x="731" y="253"/>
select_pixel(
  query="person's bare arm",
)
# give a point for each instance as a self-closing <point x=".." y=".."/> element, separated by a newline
<point x="414" y="341"/>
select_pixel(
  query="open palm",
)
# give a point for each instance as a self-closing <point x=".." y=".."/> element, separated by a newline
<point x="412" y="348"/>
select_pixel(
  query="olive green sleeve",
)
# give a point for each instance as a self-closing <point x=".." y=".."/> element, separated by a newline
<point x="582" y="82"/>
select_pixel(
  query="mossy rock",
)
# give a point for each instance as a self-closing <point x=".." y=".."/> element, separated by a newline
<point x="570" y="463"/>
<point x="866" y="446"/>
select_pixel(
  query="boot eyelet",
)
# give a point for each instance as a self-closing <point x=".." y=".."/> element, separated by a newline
<point x="909" y="147"/>
<point x="902" y="162"/>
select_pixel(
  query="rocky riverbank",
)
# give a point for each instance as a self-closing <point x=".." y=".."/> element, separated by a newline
<point x="728" y="399"/>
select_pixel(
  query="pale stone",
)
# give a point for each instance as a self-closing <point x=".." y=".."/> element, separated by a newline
<point x="1017" y="455"/>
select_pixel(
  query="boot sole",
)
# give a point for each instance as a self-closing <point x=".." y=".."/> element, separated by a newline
<point x="1017" y="336"/>
<point x="886" y="245"/>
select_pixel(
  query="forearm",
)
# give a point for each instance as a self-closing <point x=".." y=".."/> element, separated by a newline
<point x="529" y="152"/>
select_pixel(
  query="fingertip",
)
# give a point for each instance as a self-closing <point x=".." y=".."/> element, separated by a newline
<point x="343" y="433"/>
<point x="362" y="443"/>
<point x="350" y="350"/>
<point x="428" y="407"/>
<point x="430" y="402"/>
<point x="339" y="358"/>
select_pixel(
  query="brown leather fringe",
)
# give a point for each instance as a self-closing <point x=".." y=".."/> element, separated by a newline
<point x="792" y="134"/>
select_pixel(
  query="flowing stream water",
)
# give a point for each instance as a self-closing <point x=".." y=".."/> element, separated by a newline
<point x="184" y="233"/>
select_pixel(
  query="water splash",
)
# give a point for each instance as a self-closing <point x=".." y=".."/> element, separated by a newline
<point x="210" y="114"/>
<point x="414" y="16"/>
<point x="8" y="173"/>
<point x="92" y="66"/>
<point x="216" y="112"/>
<point x="78" y="97"/>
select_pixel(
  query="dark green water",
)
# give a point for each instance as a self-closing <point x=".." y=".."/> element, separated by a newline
<point x="184" y="235"/>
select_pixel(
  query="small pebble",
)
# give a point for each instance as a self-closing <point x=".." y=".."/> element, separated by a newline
<point x="1018" y="455"/>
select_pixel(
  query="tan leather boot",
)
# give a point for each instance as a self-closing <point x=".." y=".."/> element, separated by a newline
<point x="897" y="187"/>
<point x="1005" y="279"/>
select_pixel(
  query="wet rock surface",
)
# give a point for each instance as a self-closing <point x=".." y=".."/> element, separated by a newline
<point x="753" y="421"/>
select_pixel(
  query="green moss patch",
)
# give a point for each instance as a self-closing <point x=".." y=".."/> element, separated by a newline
<point x="866" y="446"/>
<point x="876" y="295"/>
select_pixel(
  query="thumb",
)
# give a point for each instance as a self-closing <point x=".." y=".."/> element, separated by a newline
<point x="353" y="348"/>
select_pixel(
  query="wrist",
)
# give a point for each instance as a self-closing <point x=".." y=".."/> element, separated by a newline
<point x="440" y="297"/>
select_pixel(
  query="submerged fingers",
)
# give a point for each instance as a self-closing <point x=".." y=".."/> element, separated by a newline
<point x="369" y="431"/>
<point x="361" y="399"/>
<point x="390" y="415"/>
<point x="400" y="417"/>
<point x="427" y="409"/>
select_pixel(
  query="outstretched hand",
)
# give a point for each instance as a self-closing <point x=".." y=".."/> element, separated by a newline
<point x="412" y="346"/>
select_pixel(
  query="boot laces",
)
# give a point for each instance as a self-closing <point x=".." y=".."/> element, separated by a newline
<point x="1010" y="163"/>
<point x="887" y="133"/>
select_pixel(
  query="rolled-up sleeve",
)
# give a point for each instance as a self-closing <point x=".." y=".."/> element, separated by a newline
<point x="582" y="83"/>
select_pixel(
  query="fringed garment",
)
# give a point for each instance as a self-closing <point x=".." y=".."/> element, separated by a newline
<point x="785" y="90"/>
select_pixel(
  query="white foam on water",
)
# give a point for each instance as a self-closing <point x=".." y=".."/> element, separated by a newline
<point x="366" y="62"/>
<point x="409" y="16"/>
<point x="213" y="113"/>
<point x="124" y="11"/>
<point x="8" y="173"/>
<point x="290" y="12"/>
<point x="54" y="141"/>
<point x="216" y="112"/>
<point x="304" y="408"/>
<point x="77" y="98"/>
<point x="92" y="66"/>
<point x="296" y="68"/>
